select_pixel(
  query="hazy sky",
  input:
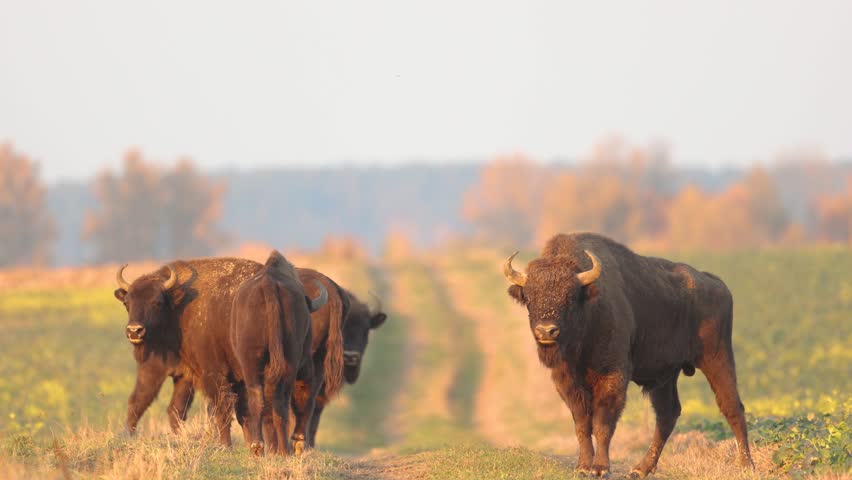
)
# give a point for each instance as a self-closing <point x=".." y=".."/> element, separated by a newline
<point x="310" y="83"/>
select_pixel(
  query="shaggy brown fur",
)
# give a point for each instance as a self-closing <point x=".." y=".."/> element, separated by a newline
<point x="185" y="329"/>
<point x="208" y="274"/>
<point x="271" y="340"/>
<point x="645" y="319"/>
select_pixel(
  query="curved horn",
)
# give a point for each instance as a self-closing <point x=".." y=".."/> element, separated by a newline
<point x="119" y="278"/>
<point x="172" y="278"/>
<point x="318" y="302"/>
<point x="513" y="275"/>
<point x="589" y="276"/>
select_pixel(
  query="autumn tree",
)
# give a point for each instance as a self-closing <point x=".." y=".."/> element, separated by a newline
<point x="617" y="190"/>
<point x="27" y="229"/>
<point x="504" y="204"/>
<point x="151" y="212"/>
<point x="834" y="216"/>
<point x="749" y="213"/>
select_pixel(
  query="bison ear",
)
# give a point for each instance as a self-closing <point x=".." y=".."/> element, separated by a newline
<point x="177" y="294"/>
<point x="590" y="292"/>
<point x="517" y="292"/>
<point x="377" y="320"/>
<point x="120" y="293"/>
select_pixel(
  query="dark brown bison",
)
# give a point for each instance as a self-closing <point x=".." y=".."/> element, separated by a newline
<point x="178" y="322"/>
<point x="271" y="339"/>
<point x="356" y="330"/>
<point x="603" y="316"/>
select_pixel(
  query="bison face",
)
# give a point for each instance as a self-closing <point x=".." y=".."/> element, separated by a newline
<point x="552" y="291"/>
<point x="356" y="332"/>
<point x="147" y="303"/>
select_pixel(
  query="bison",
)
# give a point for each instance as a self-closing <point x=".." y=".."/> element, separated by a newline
<point x="602" y="316"/>
<point x="359" y="321"/>
<point x="271" y="339"/>
<point x="326" y="347"/>
<point x="178" y="322"/>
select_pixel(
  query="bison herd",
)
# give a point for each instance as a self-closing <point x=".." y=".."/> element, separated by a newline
<point x="263" y="340"/>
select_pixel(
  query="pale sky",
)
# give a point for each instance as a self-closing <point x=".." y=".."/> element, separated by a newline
<point x="247" y="84"/>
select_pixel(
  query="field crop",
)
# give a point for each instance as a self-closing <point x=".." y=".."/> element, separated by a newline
<point x="450" y="387"/>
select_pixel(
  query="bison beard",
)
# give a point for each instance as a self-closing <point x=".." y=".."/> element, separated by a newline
<point x="603" y="316"/>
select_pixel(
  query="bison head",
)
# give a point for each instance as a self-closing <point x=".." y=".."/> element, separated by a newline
<point x="147" y="301"/>
<point x="553" y="290"/>
<point x="356" y="332"/>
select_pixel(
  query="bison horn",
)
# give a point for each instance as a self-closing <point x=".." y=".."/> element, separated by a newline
<point x="589" y="276"/>
<point x="172" y="278"/>
<point x="318" y="302"/>
<point x="119" y="278"/>
<point x="377" y="303"/>
<point x="513" y="275"/>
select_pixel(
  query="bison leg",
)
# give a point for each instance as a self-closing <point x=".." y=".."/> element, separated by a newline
<point x="578" y="400"/>
<point x="319" y="406"/>
<point x="304" y="400"/>
<point x="220" y="408"/>
<point x="666" y="405"/>
<point x="278" y="396"/>
<point x="254" y="420"/>
<point x="609" y="396"/>
<point x="149" y="379"/>
<point x="722" y="376"/>
<point x="182" y="396"/>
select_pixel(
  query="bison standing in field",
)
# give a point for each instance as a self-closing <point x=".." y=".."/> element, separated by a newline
<point x="603" y="316"/>
<point x="356" y="330"/>
<point x="178" y="322"/>
<point x="271" y="339"/>
<point x="326" y="353"/>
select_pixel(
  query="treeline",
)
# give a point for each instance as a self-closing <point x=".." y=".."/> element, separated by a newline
<point x="636" y="195"/>
<point x="148" y="210"/>
<point x="143" y="212"/>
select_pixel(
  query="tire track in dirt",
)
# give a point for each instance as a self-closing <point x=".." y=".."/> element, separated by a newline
<point x="435" y="403"/>
<point x="516" y="402"/>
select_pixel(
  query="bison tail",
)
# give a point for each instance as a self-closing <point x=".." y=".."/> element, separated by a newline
<point x="275" y="324"/>
<point x="333" y="363"/>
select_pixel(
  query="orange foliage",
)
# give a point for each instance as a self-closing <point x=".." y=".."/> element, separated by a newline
<point x="747" y="214"/>
<point x="27" y="230"/>
<point x="504" y="204"/>
<point x="834" y="216"/>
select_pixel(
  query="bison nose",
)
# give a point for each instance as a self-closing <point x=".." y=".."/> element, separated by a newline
<point x="547" y="332"/>
<point x="351" y="358"/>
<point x="135" y="332"/>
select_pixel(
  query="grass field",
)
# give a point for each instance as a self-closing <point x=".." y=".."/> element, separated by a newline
<point x="450" y="388"/>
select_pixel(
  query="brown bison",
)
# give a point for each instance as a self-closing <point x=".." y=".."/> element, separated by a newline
<point x="356" y="331"/>
<point x="271" y="339"/>
<point x="178" y="322"/>
<point x="326" y="353"/>
<point x="603" y="316"/>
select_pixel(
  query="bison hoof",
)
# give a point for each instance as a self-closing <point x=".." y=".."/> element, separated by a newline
<point x="641" y="472"/>
<point x="298" y="443"/>
<point x="298" y="447"/>
<point x="600" y="471"/>
<point x="256" y="449"/>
